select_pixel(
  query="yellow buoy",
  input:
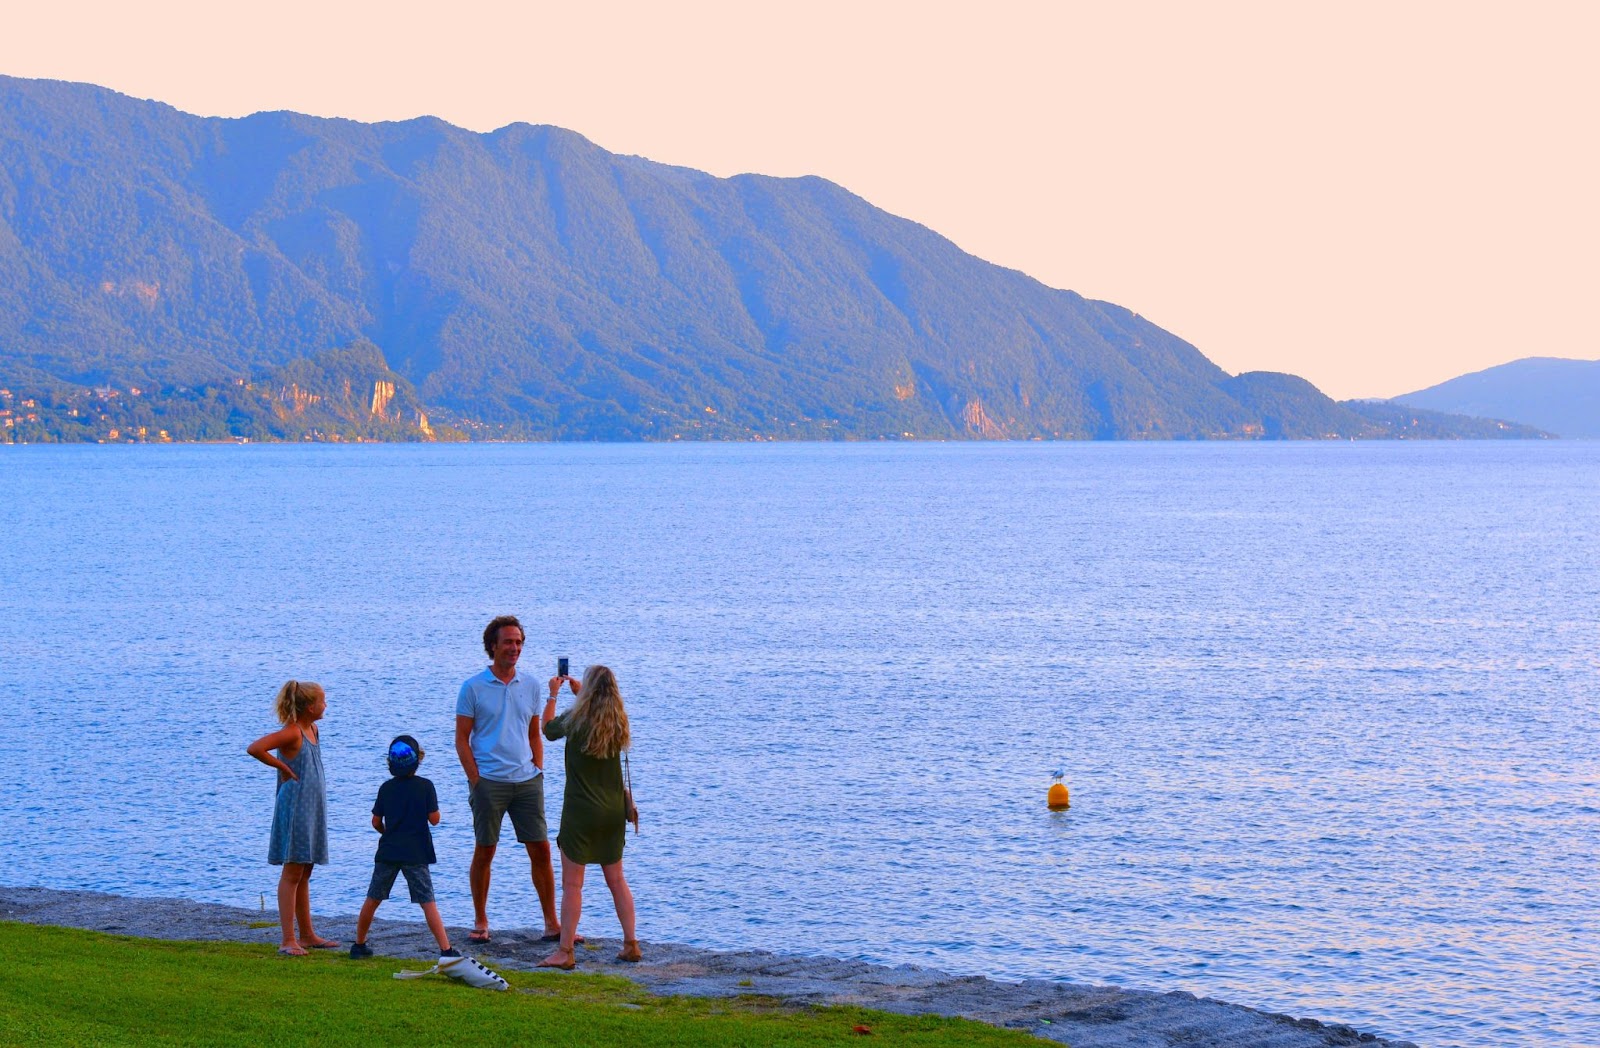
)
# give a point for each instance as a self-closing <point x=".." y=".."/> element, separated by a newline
<point x="1057" y="799"/>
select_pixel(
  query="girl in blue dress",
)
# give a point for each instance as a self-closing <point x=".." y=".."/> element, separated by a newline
<point x="300" y="817"/>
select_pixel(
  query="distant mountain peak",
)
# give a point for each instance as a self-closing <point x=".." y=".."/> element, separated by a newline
<point x="1557" y="394"/>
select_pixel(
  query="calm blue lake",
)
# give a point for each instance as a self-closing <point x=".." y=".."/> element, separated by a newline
<point x="1329" y="712"/>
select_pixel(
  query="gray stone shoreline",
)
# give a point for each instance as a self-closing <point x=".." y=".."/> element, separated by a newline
<point x="1083" y="1016"/>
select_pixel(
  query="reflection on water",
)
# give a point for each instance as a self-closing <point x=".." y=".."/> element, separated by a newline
<point x="1328" y="712"/>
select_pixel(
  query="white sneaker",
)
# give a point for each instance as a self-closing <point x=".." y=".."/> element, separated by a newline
<point x="469" y="971"/>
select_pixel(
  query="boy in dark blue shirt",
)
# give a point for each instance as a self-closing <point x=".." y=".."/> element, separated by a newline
<point x="406" y="806"/>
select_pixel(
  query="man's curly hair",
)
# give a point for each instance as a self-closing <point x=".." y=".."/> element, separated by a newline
<point x="491" y="632"/>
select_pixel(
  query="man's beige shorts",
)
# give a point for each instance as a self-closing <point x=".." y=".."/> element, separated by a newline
<point x="524" y="801"/>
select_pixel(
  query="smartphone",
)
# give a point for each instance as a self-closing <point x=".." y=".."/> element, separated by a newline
<point x="562" y="665"/>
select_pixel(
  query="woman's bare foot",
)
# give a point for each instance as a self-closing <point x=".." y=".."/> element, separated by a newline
<point x="292" y="949"/>
<point x="630" y="951"/>
<point x="555" y="936"/>
<point x="566" y="960"/>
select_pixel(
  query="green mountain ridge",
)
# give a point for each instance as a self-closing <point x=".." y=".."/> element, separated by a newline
<point x="526" y="283"/>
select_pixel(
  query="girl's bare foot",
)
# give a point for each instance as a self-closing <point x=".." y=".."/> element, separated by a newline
<point x="566" y="960"/>
<point x="630" y="951"/>
<point x="292" y="949"/>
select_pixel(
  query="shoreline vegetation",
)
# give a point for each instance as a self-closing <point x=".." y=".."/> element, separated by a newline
<point x="130" y="962"/>
<point x="350" y="396"/>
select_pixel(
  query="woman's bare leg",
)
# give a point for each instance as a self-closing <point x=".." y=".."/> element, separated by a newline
<point x="571" y="910"/>
<point x="622" y="897"/>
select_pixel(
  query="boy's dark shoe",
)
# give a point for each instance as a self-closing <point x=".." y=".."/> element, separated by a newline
<point x="360" y="951"/>
<point x="451" y="952"/>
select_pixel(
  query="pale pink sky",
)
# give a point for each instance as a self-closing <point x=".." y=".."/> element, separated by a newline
<point x="1376" y="196"/>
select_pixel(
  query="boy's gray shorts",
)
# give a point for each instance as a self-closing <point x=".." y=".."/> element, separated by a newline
<point x="492" y="801"/>
<point x="418" y="879"/>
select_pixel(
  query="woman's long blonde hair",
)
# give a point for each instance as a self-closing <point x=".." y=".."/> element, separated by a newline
<point x="599" y="709"/>
<point x="294" y="698"/>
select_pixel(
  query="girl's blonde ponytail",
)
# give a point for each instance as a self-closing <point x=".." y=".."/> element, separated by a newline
<point x="294" y="698"/>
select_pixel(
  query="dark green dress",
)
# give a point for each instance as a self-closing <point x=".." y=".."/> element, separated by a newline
<point x="594" y="820"/>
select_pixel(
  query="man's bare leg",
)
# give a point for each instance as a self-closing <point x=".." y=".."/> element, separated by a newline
<point x="482" y="858"/>
<point x="544" y="882"/>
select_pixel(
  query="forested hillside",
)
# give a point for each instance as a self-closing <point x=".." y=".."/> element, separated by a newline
<point x="527" y="283"/>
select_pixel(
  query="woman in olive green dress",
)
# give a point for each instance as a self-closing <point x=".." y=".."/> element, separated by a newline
<point x="595" y="807"/>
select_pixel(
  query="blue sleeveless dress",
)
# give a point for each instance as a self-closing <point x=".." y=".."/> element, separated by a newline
<point x="300" y="819"/>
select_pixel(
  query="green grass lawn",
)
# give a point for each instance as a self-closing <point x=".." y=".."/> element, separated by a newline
<point x="61" y="986"/>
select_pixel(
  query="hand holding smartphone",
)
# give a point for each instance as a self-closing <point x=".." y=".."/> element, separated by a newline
<point x="562" y="666"/>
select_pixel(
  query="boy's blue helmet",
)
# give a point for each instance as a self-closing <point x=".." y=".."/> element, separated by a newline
<point x="404" y="755"/>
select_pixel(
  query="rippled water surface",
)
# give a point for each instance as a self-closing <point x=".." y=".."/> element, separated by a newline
<point x="1328" y="712"/>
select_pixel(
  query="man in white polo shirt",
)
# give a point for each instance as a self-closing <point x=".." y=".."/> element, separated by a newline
<point x="502" y="751"/>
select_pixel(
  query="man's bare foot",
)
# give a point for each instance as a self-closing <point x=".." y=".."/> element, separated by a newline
<point x="566" y="960"/>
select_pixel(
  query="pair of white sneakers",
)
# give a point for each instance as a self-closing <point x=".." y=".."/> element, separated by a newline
<point x="467" y="969"/>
